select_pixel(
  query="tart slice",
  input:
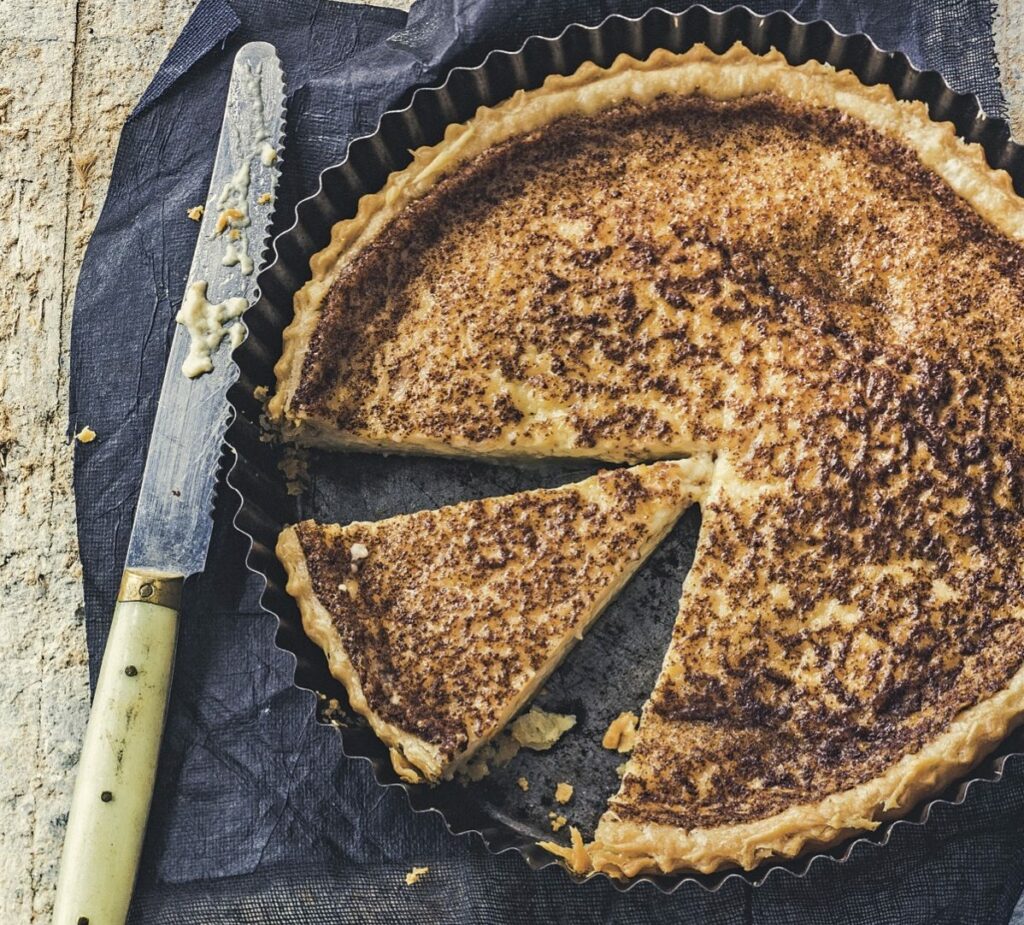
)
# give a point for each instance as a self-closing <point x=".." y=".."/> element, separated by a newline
<point x="443" y="624"/>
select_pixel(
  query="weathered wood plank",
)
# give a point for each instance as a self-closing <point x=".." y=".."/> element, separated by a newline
<point x="70" y="72"/>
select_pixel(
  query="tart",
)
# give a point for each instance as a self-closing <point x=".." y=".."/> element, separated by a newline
<point x="804" y="278"/>
<point x="443" y="624"/>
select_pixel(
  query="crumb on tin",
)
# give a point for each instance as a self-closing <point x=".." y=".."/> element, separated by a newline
<point x="621" y="734"/>
<point x="332" y="712"/>
<point x="575" y="854"/>
<point x="415" y="875"/>
<point x="539" y="730"/>
<point x="294" y="466"/>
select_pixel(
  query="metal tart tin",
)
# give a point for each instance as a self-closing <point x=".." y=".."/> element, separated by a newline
<point x="614" y="668"/>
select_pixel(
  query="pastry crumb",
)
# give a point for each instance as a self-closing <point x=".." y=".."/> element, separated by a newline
<point x="415" y="875"/>
<point x="558" y="822"/>
<point x="563" y="792"/>
<point x="196" y="213"/>
<point x="268" y="432"/>
<point x="293" y="464"/>
<point x="621" y="769"/>
<point x="264" y="199"/>
<point x="575" y="855"/>
<point x="358" y="551"/>
<point x="523" y="784"/>
<point x="86" y="435"/>
<point x="332" y="711"/>
<point x="539" y="730"/>
<point x="621" y="734"/>
<point x="227" y="217"/>
<point x="261" y="393"/>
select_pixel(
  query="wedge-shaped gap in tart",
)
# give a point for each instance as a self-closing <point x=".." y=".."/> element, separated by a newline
<point x="443" y="624"/>
<point x="611" y="672"/>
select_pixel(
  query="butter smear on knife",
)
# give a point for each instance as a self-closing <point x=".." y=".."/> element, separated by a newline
<point x="208" y="323"/>
<point x="233" y="201"/>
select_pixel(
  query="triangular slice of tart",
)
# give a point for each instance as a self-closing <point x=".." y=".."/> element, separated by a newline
<point x="443" y="624"/>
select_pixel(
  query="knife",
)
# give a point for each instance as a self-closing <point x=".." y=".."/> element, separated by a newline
<point x="171" y="531"/>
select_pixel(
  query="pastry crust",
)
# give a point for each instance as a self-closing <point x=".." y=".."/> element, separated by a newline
<point x="626" y="849"/>
<point x="412" y="757"/>
<point x="855" y="607"/>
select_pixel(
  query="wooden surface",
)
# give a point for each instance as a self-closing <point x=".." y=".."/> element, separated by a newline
<point x="70" y="72"/>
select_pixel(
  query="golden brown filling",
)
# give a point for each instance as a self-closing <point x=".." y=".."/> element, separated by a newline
<point x="795" y="291"/>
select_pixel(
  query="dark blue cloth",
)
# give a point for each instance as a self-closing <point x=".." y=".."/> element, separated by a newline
<point x="257" y="817"/>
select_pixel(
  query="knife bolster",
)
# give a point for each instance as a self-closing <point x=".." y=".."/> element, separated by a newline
<point x="150" y="587"/>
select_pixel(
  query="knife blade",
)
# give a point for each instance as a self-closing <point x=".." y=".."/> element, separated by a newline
<point x="172" y="525"/>
<point x="173" y="521"/>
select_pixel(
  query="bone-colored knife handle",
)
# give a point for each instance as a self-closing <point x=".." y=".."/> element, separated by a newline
<point x="117" y="766"/>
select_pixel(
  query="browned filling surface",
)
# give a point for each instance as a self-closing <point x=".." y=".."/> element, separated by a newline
<point x="793" y="290"/>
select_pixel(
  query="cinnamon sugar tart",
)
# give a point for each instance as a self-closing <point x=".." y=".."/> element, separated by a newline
<point x="772" y="267"/>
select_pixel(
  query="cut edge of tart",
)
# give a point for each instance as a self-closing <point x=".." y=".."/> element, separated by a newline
<point x="536" y="570"/>
<point x="737" y="73"/>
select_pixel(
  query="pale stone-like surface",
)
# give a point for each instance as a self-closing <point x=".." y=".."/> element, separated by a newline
<point x="1009" y="35"/>
<point x="70" y="72"/>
